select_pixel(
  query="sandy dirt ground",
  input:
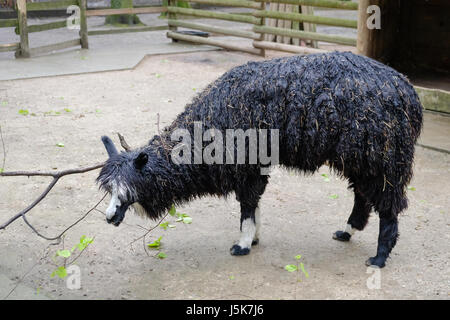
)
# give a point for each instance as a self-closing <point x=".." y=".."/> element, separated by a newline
<point x="299" y="213"/>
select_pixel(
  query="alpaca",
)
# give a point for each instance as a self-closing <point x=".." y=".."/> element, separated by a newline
<point x="357" y="115"/>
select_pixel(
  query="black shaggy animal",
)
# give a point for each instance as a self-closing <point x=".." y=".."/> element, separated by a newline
<point x="356" y="114"/>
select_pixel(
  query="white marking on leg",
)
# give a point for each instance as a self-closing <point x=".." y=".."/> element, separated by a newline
<point x="248" y="230"/>
<point x="350" y="230"/>
<point x="258" y="223"/>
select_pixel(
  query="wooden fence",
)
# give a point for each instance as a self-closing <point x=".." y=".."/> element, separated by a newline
<point x="260" y="28"/>
<point x="174" y="23"/>
<point x="9" y="23"/>
<point x="256" y="18"/>
<point x="22" y="28"/>
<point x="140" y="10"/>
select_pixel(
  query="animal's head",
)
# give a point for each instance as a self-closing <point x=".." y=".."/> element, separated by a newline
<point x="122" y="176"/>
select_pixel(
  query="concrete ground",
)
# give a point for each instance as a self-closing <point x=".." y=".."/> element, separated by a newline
<point x="299" y="213"/>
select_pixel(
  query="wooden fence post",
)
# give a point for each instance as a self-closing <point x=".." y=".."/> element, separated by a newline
<point x="83" y="24"/>
<point x="172" y="16"/>
<point x="24" y="50"/>
<point x="262" y="35"/>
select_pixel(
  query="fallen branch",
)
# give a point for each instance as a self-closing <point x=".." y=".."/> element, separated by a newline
<point x="56" y="176"/>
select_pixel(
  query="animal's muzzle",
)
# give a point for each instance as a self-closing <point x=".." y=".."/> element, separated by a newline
<point x="119" y="215"/>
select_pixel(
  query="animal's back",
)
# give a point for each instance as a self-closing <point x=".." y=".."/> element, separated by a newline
<point x="337" y="106"/>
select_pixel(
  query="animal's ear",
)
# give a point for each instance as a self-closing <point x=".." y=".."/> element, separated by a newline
<point x="109" y="145"/>
<point x="141" y="160"/>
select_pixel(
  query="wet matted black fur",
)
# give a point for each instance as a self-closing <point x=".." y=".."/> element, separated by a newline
<point x="354" y="113"/>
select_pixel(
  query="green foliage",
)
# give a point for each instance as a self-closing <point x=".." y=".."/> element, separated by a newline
<point x="66" y="254"/>
<point x="291" y="267"/>
<point x="63" y="253"/>
<point x="334" y="196"/>
<point x="325" y="177"/>
<point x="61" y="145"/>
<point x="411" y="188"/>
<point x="162" y="255"/>
<point x="24" y="112"/>
<point x="60" y="272"/>
<point x="297" y="267"/>
<point x="155" y="244"/>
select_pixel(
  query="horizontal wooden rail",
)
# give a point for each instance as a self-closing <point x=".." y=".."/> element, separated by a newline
<point x="214" y="29"/>
<point x="215" y="15"/>
<point x="110" y="12"/>
<point x="50" y="5"/>
<point x="347" y="5"/>
<point x="54" y="47"/>
<point x="45" y="26"/>
<point x="230" y="3"/>
<point x="305" y="35"/>
<point x="211" y="42"/>
<point x="7" y="23"/>
<point x="286" y="47"/>
<point x="306" y="18"/>
<point x="127" y="30"/>
<point x="9" y="47"/>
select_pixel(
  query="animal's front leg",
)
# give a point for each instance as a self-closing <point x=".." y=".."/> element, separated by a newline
<point x="249" y="231"/>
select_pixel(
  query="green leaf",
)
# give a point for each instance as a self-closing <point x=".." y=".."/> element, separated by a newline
<point x="325" y="177"/>
<point x="63" y="253"/>
<point x="162" y="255"/>
<point x="166" y="225"/>
<point x="298" y="257"/>
<point x="411" y="188"/>
<point x="61" y="145"/>
<point x="334" y="196"/>
<point x="231" y="277"/>
<point x="60" y="272"/>
<point x="303" y="270"/>
<point x="157" y="75"/>
<point x="291" y="267"/>
<point x="172" y="211"/>
<point x="187" y="220"/>
<point x="67" y="110"/>
<point x="155" y="244"/>
<point x="24" y="112"/>
<point x="2" y="170"/>
<point x="84" y="242"/>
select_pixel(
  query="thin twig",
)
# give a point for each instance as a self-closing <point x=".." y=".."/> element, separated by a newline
<point x="123" y="143"/>
<point x="4" y="150"/>
<point x="56" y="176"/>
<point x="58" y="237"/>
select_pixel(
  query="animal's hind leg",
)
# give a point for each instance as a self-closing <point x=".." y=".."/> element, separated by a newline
<point x="357" y="220"/>
<point x="387" y="238"/>
<point x="390" y="203"/>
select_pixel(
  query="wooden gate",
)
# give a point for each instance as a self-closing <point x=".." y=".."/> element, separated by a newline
<point x="24" y="29"/>
<point x="249" y="19"/>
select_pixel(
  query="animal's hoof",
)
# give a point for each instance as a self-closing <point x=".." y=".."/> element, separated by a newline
<point x="341" y="236"/>
<point x="255" y="242"/>
<point x="376" y="261"/>
<point x="236" y="250"/>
